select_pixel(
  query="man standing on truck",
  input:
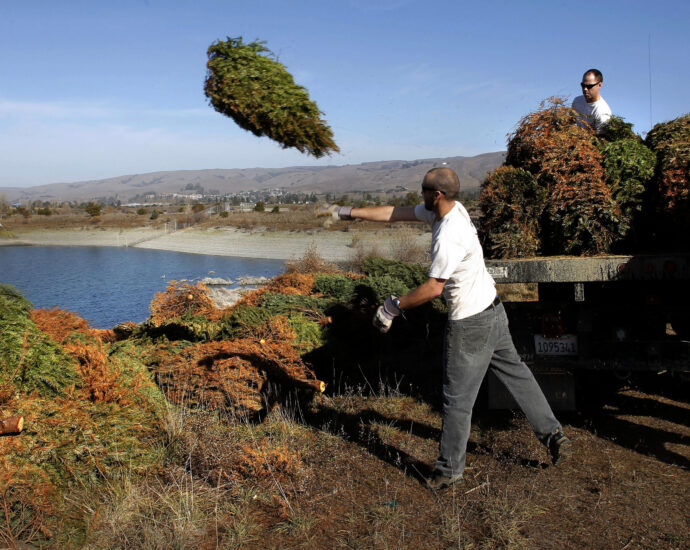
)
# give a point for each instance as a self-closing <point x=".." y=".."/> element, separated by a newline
<point x="477" y="335"/>
<point x="591" y="107"/>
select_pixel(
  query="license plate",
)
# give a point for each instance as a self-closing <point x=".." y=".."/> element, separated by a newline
<point x="565" y="345"/>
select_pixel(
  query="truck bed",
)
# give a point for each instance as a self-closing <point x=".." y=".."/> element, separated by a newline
<point x="582" y="269"/>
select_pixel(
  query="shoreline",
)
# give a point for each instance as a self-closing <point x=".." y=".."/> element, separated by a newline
<point x="333" y="246"/>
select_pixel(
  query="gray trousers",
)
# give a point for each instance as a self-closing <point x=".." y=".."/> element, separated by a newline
<point x="472" y="346"/>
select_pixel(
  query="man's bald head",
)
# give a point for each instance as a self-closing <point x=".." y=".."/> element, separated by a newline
<point x="442" y="179"/>
<point x="596" y="73"/>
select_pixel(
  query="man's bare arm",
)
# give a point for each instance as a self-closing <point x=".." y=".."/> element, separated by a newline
<point x="385" y="213"/>
<point x="427" y="291"/>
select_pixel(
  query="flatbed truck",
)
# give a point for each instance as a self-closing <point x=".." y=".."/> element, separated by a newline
<point x="591" y="318"/>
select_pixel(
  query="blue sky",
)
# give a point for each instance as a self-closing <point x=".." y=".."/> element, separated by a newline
<point x="94" y="89"/>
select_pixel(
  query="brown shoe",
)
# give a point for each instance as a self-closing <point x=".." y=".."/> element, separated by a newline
<point x="438" y="481"/>
<point x="560" y="448"/>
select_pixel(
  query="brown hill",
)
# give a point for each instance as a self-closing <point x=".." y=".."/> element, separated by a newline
<point x="370" y="176"/>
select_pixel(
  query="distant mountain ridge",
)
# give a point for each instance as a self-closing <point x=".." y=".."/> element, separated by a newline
<point x="367" y="177"/>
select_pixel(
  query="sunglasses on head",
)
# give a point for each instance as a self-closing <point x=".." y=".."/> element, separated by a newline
<point x="426" y="188"/>
<point x="589" y="86"/>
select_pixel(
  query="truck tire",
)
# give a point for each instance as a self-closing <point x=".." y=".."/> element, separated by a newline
<point x="594" y="389"/>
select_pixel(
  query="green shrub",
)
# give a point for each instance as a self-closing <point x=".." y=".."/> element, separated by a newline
<point x="12" y="303"/>
<point x="126" y="357"/>
<point x="629" y="167"/>
<point x="93" y="209"/>
<point x="243" y="320"/>
<point x="337" y="286"/>
<point x="308" y="333"/>
<point x="379" y="287"/>
<point x="616" y="129"/>
<point x="281" y="304"/>
<point x="29" y="359"/>
<point x="410" y="275"/>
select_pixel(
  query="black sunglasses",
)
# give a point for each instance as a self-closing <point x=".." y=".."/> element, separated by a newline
<point x="589" y="86"/>
<point x="425" y="188"/>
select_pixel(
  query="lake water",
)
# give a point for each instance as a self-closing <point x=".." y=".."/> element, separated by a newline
<point x="107" y="285"/>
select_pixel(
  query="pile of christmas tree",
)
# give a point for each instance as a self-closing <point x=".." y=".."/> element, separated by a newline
<point x="565" y="190"/>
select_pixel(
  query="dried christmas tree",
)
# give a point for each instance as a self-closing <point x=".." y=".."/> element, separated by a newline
<point x="670" y="194"/>
<point x="512" y="204"/>
<point x="580" y="215"/>
<point x="246" y="83"/>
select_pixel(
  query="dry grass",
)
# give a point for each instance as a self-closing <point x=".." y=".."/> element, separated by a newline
<point x="297" y="218"/>
<point x="360" y="252"/>
<point x="402" y="245"/>
<point x="110" y="219"/>
<point x="405" y="247"/>
<point x="290" y="218"/>
<point x="311" y="262"/>
<point x="178" y="511"/>
<point x="293" y="482"/>
<point x="504" y="515"/>
<point x="224" y="474"/>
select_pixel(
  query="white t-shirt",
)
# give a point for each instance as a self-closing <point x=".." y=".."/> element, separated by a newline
<point x="457" y="256"/>
<point x="596" y="114"/>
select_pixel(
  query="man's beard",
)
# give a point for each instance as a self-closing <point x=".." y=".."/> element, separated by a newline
<point x="429" y="205"/>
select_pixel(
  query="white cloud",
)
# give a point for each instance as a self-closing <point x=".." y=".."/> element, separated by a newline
<point x="52" y="110"/>
<point x="42" y="153"/>
<point x="59" y="110"/>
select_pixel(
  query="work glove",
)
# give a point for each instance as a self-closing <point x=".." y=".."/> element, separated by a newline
<point x="335" y="211"/>
<point x="386" y="313"/>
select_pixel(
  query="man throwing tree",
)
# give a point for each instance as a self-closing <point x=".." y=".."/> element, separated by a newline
<point x="477" y="335"/>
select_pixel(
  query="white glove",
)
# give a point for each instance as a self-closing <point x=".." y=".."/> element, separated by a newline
<point x="335" y="211"/>
<point x="386" y="313"/>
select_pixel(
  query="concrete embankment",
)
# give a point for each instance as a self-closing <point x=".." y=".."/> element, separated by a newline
<point x="78" y="237"/>
<point x="336" y="246"/>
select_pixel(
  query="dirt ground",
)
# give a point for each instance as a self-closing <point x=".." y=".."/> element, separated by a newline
<point x="625" y="487"/>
